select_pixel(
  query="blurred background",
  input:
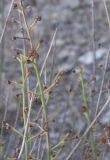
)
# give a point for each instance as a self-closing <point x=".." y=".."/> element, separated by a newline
<point x="82" y="32"/>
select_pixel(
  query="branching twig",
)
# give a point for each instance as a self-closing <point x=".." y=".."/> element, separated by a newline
<point x="87" y="130"/>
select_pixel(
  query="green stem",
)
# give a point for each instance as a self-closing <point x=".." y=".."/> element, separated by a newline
<point x="17" y="132"/>
<point x="94" y="156"/>
<point x="24" y="105"/>
<point x="23" y="91"/>
<point x="83" y="89"/>
<point x="44" y="105"/>
<point x="85" y="98"/>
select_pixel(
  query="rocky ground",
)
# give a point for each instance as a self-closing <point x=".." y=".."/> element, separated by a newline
<point x="73" y="47"/>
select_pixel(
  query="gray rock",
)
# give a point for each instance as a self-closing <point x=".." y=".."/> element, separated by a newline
<point x="105" y="119"/>
<point x="87" y="58"/>
<point x="67" y="67"/>
<point x="71" y="3"/>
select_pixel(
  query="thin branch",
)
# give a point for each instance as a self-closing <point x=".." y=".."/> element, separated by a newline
<point x="5" y="25"/>
<point x="107" y="14"/>
<point x="93" y="38"/>
<point x="26" y="128"/>
<point x="47" y="55"/>
<point x="102" y="83"/>
<point x="87" y="130"/>
<point x="45" y="60"/>
<point x="26" y="24"/>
